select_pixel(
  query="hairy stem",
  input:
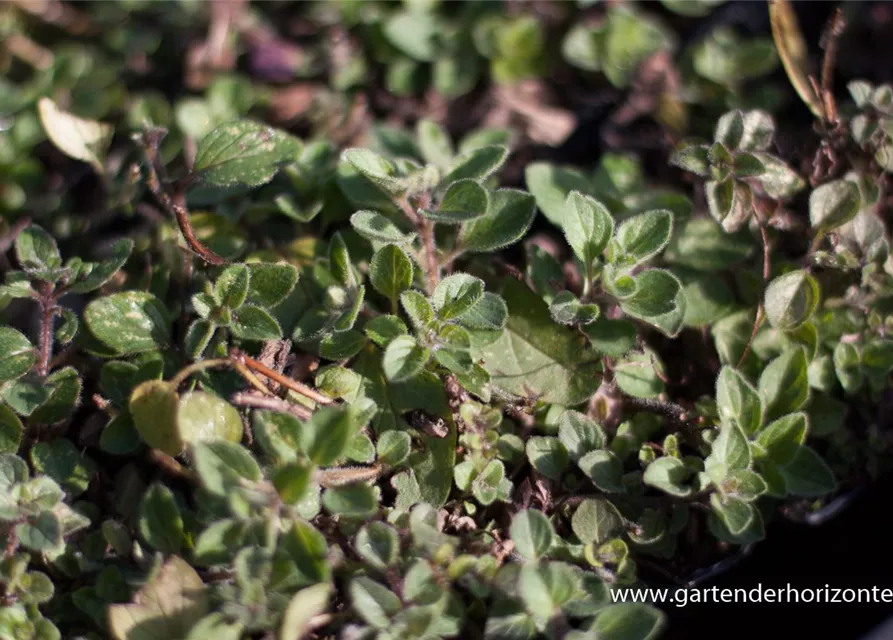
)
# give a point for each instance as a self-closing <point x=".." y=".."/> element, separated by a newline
<point x="174" y="203"/>
<point x="48" y="311"/>
<point x="835" y="28"/>
<point x="760" y="311"/>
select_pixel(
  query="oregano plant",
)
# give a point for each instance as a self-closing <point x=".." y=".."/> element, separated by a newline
<point x="311" y="335"/>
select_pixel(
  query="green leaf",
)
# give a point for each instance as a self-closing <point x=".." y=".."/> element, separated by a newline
<point x="25" y="394"/>
<point x="636" y="375"/>
<point x="464" y="200"/>
<point x="486" y="485"/>
<point x="383" y="329"/>
<point x="16" y="354"/>
<point x="342" y="345"/>
<point x="223" y="466"/>
<point x="129" y="322"/>
<point x="489" y="312"/>
<point x="303" y="607"/>
<point x="730" y="450"/>
<point x="692" y="156"/>
<point x="597" y="521"/>
<point x="643" y="236"/>
<point x="656" y="295"/>
<point x="42" y="533"/>
<point x="456" y="294"/>
<point x="669" y="475"/>
<point x="434" y="143"/>
<point x="778" y="180"/>
<point x="11" y="431"/>
<point x="355" y="500"/>
<point x="166" y="606"/>
<point x="154" y="405"/>
<point x="629" y="621"/>
<point x="376" y="228"/>
<point x="244" y="152"/>
<point x="604" y="469"/>
<point x="270" y="283"/>
<point x="744" y="484"/>
<point x="579" y="434"/>
<point x="614" y="338"/>
<point x="547" y="455"/>
<point x="378" y="170"/>
<point x="730" y="203"/>
<point x="532" y="534"/>
<point x="833" y="204"/>
<point x="198" y="337"/>
<point x="373" y="602"/>
<point x="231" y="288"/>
<point x="791" y="300"/>
<point x="419" y="310"/>
<point x="339" y="262"/>
<point x="551" y="185"/>
<point x="782" y="438"/>
<point x="701" y="244"/>
<point x="391" y="272"/>
<point x="160" y="523"/>
<point x="546" y="587"/>
<point x="735" y="514"/>
<point x="326" y="436"/>
<point x="404" y="359"/>
<point x="78" y="138"/>
<point x="37" y="249"/>
<point x="13" y="470"/>
<point x="378" y="544"/>
<point x="64" y="463"/>
<point x="535" y="356"/>
<point x="508" y="218"/>
<point x="784" y="384"/>
<point x="202" y="416"/>
<point x="476" y="164"/>
<point x="393" y="447"/>
<point x="415" y="33"/>
<point x="588" y="226"/>
<point x="253" y="323"/>
<point x="807" y="475"/>
<point x="738" y="401"/>
<point x="95" y="275"/>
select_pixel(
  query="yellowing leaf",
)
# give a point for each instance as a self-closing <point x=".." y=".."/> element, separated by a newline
<point x="793" y="53"/>
<point x="85" y="140"/>
<point x="165" y="608"/>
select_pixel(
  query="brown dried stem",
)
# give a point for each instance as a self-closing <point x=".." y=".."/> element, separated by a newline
<point x="173" y="202"/>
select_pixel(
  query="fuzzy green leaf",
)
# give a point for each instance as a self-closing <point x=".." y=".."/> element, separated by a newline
<point x="588" y="226"/>
<point x="791" y="299"/>
<point x="244" y="152"/>
<point x="533" y="355"/>
<point x="160" y="523"/>
<point x="16" y="354"/>
<point x="464" y="200"/>
<point x="404" y="359"/>
<point x="738" y="401"/>
<point x="270" y="283"/>
<point x="375" y="227"/>
<point x="643" y="236"/>
<point x="508" y="218"/>
<point x="476" y="164"/>
<point x="391" y="271"/>
<point x="833" y="204"/>
<point x="129" y="322"/>
<point x="250" y="322"/>
<point x="782" y="438"/>
<point x="532" y="534"/>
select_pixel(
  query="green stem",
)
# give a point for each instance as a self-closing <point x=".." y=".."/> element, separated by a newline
<point x="195" y="367"/>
